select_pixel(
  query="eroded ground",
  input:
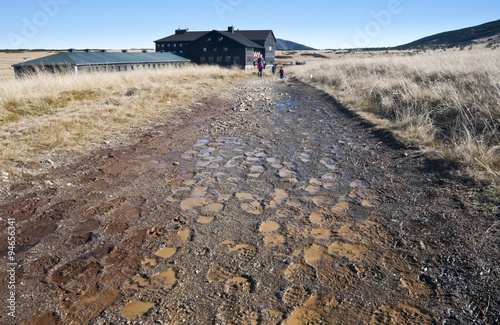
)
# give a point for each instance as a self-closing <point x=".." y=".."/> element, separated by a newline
<point x="289" y="212"/>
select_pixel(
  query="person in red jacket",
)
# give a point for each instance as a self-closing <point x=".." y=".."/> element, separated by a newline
<point x="282" y="73"/>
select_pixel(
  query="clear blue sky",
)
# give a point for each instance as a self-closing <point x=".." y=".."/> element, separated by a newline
<point x="123" y="24"/>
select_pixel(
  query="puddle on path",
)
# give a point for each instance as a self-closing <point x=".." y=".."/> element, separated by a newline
<point x="321" y="233"/>
<point x="137" y="308"/>
<point x="166" y="252"/>
<point x="245" y="196"/>
<point x="193" y="203"/>
<point x="205" y="220"/>
<point x="238" y="285"/>
<point x="357" y="252"/>
<point x="270" y="226"/>
<point x="274" y="240"/>
<point x="341" y="207"/>
<point x="149" y="261"/>
<point x="167" y="278"/>
<point x="279" y="196"/>
<point x="184" y="235"/>
<point x="212" y="208"/>
<point x="252" y="207"/>
<point x="313" y="254"/>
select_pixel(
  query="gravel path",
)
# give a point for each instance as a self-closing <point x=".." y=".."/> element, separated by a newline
<point x="267" y="204"/>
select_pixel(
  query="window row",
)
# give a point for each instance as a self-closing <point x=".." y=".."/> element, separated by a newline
<point x="220" y="59"/>
<point x="163" y="45"/>
<point x="215" y="49"/>
<point x="125" y="67"/>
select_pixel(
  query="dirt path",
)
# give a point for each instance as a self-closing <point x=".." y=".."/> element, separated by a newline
<point x="283" y="210"/>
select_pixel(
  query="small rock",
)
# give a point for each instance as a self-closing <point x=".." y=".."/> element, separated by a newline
<point x="176" y="163"/>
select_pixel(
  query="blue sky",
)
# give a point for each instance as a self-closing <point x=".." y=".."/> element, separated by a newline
<point x="124" y="24"/>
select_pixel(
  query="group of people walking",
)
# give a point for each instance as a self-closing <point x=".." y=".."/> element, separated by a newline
<point x="261" y="65"/>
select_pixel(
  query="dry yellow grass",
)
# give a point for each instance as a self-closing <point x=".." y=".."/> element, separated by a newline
<point x="447" y="101"/>
<point x="48" y="116"/>
<point x="10" y="58"/>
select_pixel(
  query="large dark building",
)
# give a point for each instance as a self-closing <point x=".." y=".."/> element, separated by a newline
<point x="231" y="47"/>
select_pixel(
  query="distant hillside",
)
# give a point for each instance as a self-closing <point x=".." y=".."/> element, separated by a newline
<point x="486" y="33"/>
<point x="282" y="44"/>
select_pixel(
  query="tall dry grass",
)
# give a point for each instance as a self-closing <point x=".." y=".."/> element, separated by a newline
<point x="46" y="116"/>
<point x="443" y="101"/>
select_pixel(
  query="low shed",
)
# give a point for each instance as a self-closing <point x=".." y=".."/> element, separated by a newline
<point x="88" y="61"/>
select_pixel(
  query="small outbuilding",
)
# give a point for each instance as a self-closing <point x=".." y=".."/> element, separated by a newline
<point x="89" y="61"/>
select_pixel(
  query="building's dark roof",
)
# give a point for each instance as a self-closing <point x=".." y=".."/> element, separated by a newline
<point x="255" y="35"/>
<point x="240" y="39"/>
<point x="185" y="37"/>
<point x="251" y="35"/>
<point x="85" y="58"/>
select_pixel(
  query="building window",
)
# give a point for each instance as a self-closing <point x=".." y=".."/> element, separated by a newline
<point x="270" y="48"/>
<point x="168" y="44"/>
<point x="180" y="45"/>
<point x="225" y="49"/>
<point x="219" y="59"/>
<point x="204" y="49"/>
<point x="210" y="59"/>
<point x="203" y="59"/>
<point x="209" y="39"/>
<point x="215" y="49"/>
<point x="228" y="59"/>
<point x="236" y="59"/>
<point x="221" y="38"/>
<point x="162" y="45"/>
<point x="175" y="45"/>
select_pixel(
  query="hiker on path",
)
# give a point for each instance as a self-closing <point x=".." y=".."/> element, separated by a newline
<point x="274" y="69"/>
<point x="260" y="65"/>
<point x="282" y="73"/>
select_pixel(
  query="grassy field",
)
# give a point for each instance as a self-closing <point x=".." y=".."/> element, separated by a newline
<point x="53" y="117"/>
<point x="444" y="101"/>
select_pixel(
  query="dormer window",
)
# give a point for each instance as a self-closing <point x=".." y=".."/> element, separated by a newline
<point x="221" y="38"/>
<point x="209" y="39"/>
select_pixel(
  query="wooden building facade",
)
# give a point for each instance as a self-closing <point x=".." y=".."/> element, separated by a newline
<point x="231" y="47"/>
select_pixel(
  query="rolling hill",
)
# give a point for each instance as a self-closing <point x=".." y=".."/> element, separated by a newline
<point x="282" y="44"/>
<point x="485" y="33"/>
